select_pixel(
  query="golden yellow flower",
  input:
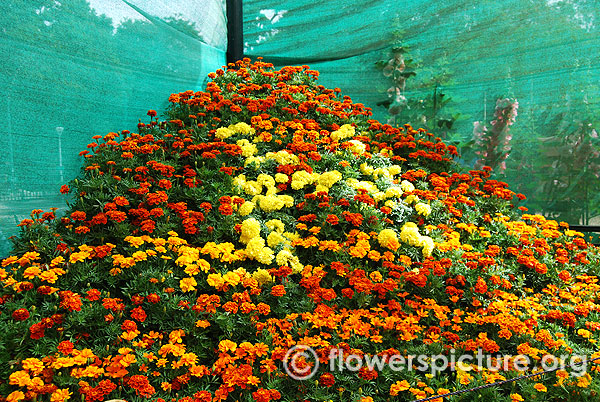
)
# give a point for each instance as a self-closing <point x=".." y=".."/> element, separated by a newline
<point x="188" y="284"/>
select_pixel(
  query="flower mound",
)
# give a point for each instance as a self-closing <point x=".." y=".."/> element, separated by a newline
<point x="270" y="212"/>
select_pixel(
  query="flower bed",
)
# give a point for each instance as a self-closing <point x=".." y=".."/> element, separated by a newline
<point x="269" y="213"/>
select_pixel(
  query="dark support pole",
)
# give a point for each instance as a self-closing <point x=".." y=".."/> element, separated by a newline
<point x="235" y="31"/>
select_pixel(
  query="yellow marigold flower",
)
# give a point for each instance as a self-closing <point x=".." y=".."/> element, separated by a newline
<point x="540" y="387"/>
<point x="407" y="186"/>
<point x="288" y="200"/>
<point x="274" y="239"/>
<point x="204" y="265"/>
<point x="175" y="240"/>
<point x="188" y="284"/>
<point x="516" y="398"/>
<point x="428" y="245"/>
<point x="248" y="149"/>
<point x="256" y="250"/>
<point x="376" y="276"/>
<point x="31" y="256"/>
<point x="281" y="178"/>
<point x="224" y="133"/>
<point x="191" y="269"/>
<point x="57" y="261"/>
<point x="254" y="159"/>
<point x="242" y="128"/>
<point x="250" y="230"/>
<point x="265" y="180"/>
<point x="262" y="276"/>
<point x="394" y="170"/>
<point x="345" y="131"/>
<point x="286" y="258"/>
<point x="357" y="147"/>
<point x="411" y="198"/>
<point x="188" y="359"/>
<point x="215" y="280"/>
<point x="379" y="196"/>
<point x="276" y="225"/>
<point x="410" y="234"/>
<point x="252" y="187"/>
<point x="388" y="238"/>
<point x="423" y="209"/>
<point x="239" y="180"/>
<point x="301" y="178"/>
<point x="391" y="204"/>
<point x="271" y="203"/>
<point x="283" y="157"/>
<point x="328" y="179"/>
<point x="246" y="208"/>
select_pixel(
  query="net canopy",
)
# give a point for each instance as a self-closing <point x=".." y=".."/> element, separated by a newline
<point x="73" y="69"/>
<point x="512" y="84"/>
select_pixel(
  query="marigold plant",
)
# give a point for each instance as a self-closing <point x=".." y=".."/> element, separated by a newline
<point x="269" y="212"/>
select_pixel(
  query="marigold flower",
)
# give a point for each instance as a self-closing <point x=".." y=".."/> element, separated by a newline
<point x="278" y="290"/>
<point x="398" y="387"/>
<point x="188" y="284"/>
<point x="20" y="314"/>
<point x="15" y="396"/>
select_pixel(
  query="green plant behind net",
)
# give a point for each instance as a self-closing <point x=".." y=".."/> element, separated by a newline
<point x="461" y="61"/>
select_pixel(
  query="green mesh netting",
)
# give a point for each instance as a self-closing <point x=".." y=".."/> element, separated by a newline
<point x="73" y="69"/>
<point x="463" y="68"/>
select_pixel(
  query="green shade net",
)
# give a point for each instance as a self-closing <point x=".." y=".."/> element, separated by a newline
<point x="73" y="69"/>
<point x="539" y="57"/>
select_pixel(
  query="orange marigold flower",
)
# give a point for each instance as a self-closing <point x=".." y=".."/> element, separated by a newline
<point x="278" y="290"/>
<point x="65" y="347"/>
<point x="399" y="386"/>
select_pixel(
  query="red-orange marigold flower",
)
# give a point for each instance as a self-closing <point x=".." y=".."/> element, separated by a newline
<point x="65" y="347"/>
<point x="278" y="290"/>
<point x="20" y="314"/>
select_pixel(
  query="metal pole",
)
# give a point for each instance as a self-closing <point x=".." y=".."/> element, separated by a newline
<point x="60" y="130"/>
<point x="235" y="31"/>
<point x="11" y="152"/>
